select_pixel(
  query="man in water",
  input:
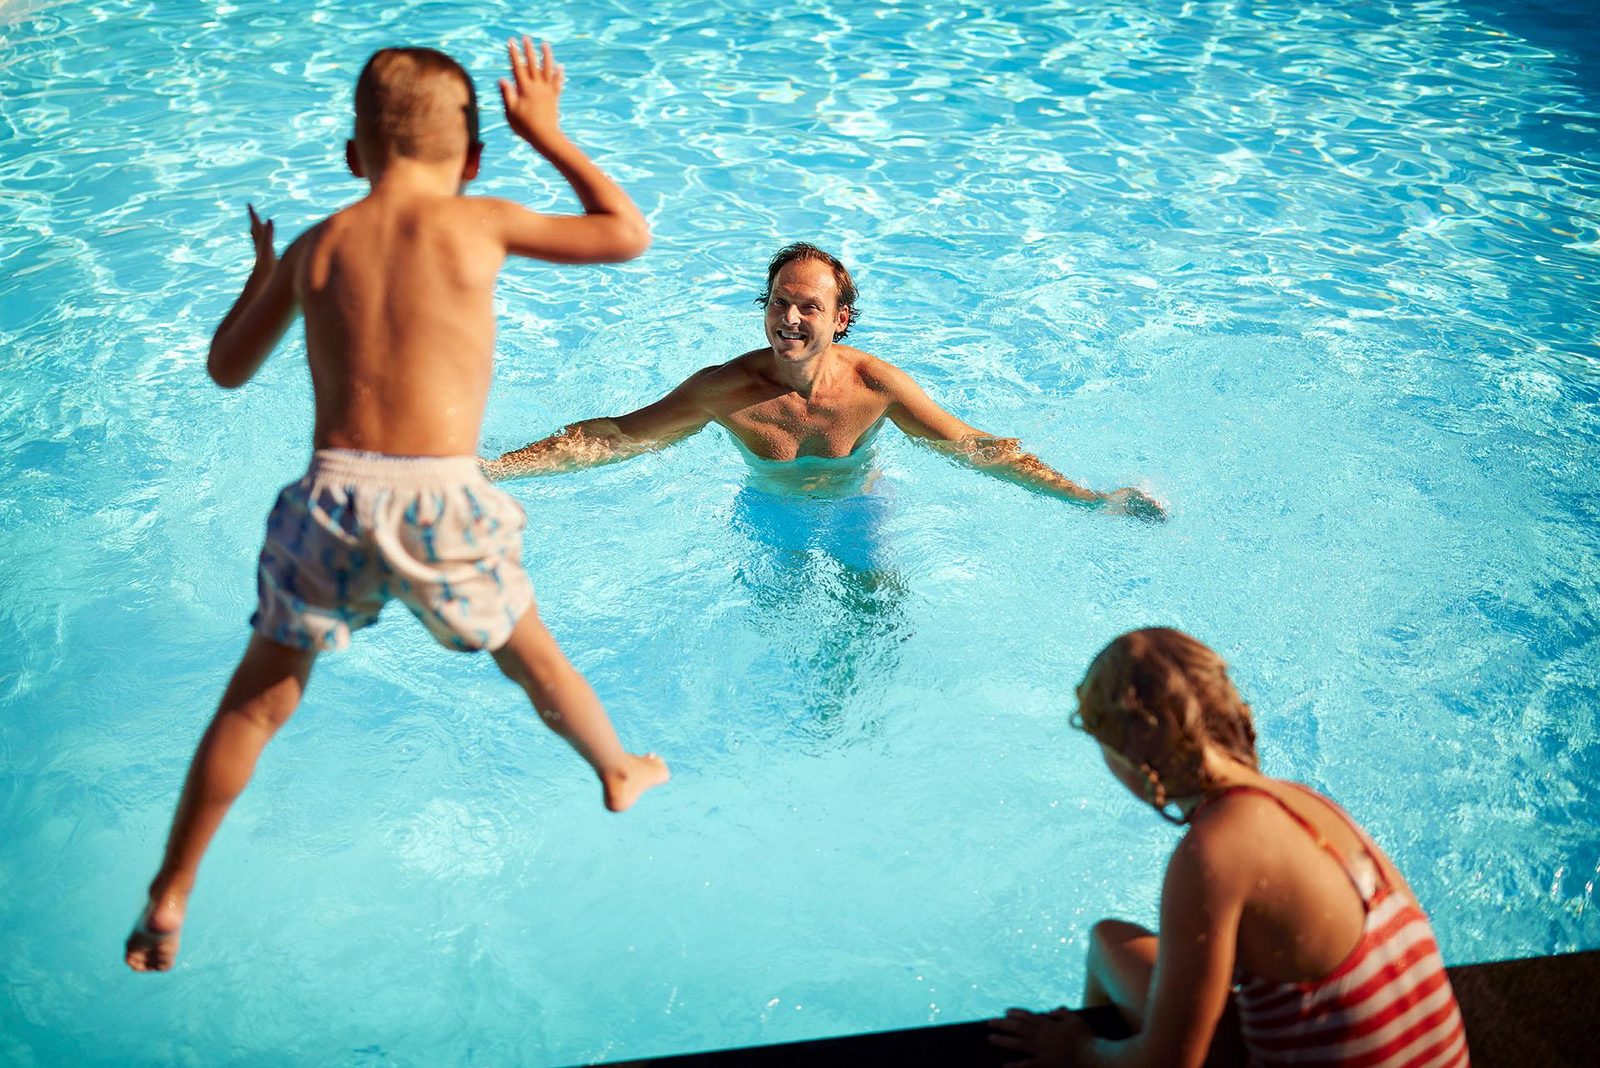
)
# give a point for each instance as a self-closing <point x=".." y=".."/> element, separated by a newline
<point x="804" y="397"/>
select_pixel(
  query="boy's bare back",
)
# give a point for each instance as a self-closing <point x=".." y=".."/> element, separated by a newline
<point x="397" y="289"/>
<point x="397" y="293"/>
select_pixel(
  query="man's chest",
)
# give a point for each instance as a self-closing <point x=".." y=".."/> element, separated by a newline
<point x="782" y="428"/>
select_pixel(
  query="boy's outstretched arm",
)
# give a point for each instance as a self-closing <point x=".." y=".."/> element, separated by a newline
<point x="252" y="327"/>
<point x="915" y="413"/>
<point x="612" y="227"/>
<point x="594" y="442"/>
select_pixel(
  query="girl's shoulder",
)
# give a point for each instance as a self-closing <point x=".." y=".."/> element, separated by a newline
<point x="1228" y="838"/>
<point x="1284" y="825"/>
<point x="1239" y="830"/>
<point x="1240" y="809"/>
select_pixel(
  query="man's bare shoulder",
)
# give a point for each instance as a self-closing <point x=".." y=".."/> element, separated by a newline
<point x="880" y="376"/>
<point x="722" y="379"/>
<point x="743" y="370"/>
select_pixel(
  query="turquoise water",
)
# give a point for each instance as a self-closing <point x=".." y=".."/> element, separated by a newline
<point x="1321" y="276"/>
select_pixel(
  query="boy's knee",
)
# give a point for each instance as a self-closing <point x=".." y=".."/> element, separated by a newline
<point x="512" y="667"/>
<point x="538" y="672"/>
<point x="259" y="715"/>
<point x="268" y="709"/>
<point x="268" y="685"/>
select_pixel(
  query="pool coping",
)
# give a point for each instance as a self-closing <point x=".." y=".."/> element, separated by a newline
<point x="1525" y="1011"/>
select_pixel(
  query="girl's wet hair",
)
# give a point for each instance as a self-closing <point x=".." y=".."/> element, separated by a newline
<point x="1158" y="696"/>
<point x="803" y="250"/>
<point x="402" y="106"/>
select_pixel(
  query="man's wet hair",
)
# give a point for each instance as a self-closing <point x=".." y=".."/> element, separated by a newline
<point x="400" y="108"/>
<point x="802" y="250"/>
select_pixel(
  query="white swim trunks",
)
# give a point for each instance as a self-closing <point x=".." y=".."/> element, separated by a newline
<point x="361" y="528"/>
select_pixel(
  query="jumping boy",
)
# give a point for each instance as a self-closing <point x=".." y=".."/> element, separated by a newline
<point x="397" y="294"/>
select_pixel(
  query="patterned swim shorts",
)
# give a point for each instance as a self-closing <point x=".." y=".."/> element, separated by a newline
<point x="361" y="528"/>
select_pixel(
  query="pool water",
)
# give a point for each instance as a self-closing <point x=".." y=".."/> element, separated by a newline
<point x="1320" y="276"/>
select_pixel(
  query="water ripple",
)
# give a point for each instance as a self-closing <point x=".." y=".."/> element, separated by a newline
<point x="1322" y="275"/>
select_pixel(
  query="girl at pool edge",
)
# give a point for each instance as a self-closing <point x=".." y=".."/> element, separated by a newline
<point x="1282" y="923"/>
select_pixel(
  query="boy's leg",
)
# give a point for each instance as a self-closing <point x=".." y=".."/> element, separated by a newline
<point x="568" y="705"/>
<point x="263" y="693"/>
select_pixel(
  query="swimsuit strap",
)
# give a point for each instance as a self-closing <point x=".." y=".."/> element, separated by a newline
<point x="1369" y="848"/>
<point x="1367" y="892"/>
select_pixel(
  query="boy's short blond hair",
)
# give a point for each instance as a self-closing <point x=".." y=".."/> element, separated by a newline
<point x="417" y="103"/>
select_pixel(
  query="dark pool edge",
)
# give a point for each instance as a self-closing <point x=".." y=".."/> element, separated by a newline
<point x="1541" y="1011"/>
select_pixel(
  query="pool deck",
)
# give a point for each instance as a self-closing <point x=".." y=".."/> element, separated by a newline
<point x="1542" y="1011"/>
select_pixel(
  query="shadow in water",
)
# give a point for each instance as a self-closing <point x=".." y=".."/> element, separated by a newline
<point x="824" y="596"/>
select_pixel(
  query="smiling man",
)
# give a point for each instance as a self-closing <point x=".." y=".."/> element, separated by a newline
<point x="804" y="398"/>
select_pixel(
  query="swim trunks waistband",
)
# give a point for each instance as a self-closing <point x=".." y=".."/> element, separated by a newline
<point x="396" y="471"/>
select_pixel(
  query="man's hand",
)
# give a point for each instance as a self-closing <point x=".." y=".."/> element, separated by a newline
<point x="1052" y="1039"/>
<point x="261" y="235"/>
<point x="1132" y="502"/>
<point x="532" y="92"/>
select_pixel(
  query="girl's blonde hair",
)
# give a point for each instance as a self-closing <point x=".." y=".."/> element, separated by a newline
<point x="1158" y="696"/>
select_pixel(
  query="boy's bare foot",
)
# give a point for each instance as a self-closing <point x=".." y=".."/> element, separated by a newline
<point x="153" y="945"/>
<point x="632" y="777"/>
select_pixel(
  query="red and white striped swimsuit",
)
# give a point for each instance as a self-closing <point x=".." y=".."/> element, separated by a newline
<point x="1387" y="1005"/>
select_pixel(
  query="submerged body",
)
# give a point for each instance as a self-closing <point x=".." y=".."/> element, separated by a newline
<point x="850" y="475"/>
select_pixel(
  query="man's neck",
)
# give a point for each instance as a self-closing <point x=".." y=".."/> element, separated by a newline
<point x="802" y="376"/>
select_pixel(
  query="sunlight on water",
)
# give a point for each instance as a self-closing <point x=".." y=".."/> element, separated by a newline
<point x="1322" y="277"/>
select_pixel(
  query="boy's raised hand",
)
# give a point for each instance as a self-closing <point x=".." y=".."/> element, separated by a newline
<point x="532" y="92"/>
<point x="261" y="235"/>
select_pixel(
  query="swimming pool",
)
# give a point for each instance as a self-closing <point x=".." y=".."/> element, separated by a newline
<point x="1323" y="279"/>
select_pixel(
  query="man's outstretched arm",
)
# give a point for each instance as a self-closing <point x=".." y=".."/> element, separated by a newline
<point x="594" y="442"/>
<point x="914" y="412"/>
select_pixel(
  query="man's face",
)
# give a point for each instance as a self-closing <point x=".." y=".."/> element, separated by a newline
<point x="803" y="312"/>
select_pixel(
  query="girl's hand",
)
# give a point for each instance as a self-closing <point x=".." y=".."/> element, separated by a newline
<point x="261" y="235"/>
<point x="532" y="93"/>
<point x="1052" y="1039"/>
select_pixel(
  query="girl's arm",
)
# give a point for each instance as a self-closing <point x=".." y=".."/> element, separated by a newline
<point x="1202" y="898"/>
